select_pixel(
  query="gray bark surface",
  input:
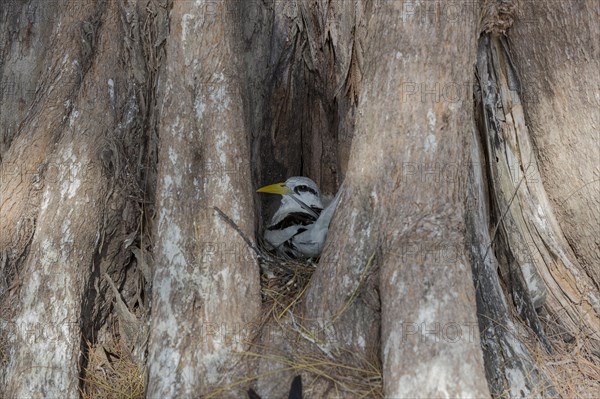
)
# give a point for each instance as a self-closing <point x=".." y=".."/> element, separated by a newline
<point x="205" y="277"/>
<point x="509" y="365"/>
<point x="133" y="135"/>
<point x="69" y="190"/>
<point x="411" y="217"/>
<point x="559" y="65"/>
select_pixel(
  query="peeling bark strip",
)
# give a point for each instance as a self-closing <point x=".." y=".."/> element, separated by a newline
<point x="509" y="167"/>
<point x="509" y="366"/>
<point x="543" y="275"/>
<point x="533" y="254"/>
<point x="558" y="52"/>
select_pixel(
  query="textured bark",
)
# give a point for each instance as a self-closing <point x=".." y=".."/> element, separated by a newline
<point x="546" y="280"/>
<point x="45" y="268"/>
<point x="70" y="191"/>
<point x="303" y="70"/>
<point x="125" y="125"/>
<point x="559" y="62"/>
<point x="205" y="276"/>
<point x="509" y="365"/>
<point x="390" y="209"/>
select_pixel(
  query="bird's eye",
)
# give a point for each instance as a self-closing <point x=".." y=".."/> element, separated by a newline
<point x="303" y="188"/>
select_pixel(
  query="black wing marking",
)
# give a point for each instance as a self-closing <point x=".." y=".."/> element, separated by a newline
<point x="294" y="219"/>
<point x="300" y="230"/>
<point x="288" y="246"/>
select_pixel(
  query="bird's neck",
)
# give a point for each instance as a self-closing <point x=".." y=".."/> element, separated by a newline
<point x="303" y="201"/>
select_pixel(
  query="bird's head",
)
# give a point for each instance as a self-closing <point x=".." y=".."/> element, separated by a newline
<point x="299" y="187"/>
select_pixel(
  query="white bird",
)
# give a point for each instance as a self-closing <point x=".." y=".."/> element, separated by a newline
<point x="299" y="227"/>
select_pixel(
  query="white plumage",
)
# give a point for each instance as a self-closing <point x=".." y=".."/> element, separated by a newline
<point x="299" y="227"/>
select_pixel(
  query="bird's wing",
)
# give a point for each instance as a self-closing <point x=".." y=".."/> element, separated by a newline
<point x="325" y="217"/>
<point x="293" y="219"/>
<point x="277" y="237"/>
<point x="311" y="241"/>
<point x="288" y="227"/>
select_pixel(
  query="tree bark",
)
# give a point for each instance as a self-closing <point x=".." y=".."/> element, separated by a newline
<point x="392" y="210"/>
<point x="70" y="191"/>
<point x="547" y="282"/>
<point x="509" y="365"/>
<point x="133" y="135"/>
<point x="561" y="106"/>
<point x="200" y="260"/>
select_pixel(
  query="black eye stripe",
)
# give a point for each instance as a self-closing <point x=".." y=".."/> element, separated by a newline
<point x="303" y="188"/>
<point x="299" y="189"/>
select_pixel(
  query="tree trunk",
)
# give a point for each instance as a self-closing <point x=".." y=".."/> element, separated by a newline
<point x="561" y="106"/>
<point x="401" y="216"/>
<point x="547" y="282"/>
<point x="463" y="255"/>
<point x="71" y="188"/>
<point x="199" y="259"/>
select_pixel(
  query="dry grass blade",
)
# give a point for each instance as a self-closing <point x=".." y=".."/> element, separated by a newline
<point x="111" y="375"/>
<point x="284" y="282"/>
<point x="572" y="367"/>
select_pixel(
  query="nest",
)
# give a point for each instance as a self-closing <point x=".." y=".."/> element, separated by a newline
<point x="111" y="372"/>
<point x="327" y="368"/>
<point x="283" y="280"/>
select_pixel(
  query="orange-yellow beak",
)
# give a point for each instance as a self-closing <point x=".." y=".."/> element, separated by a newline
<point x="277" y="188"/>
